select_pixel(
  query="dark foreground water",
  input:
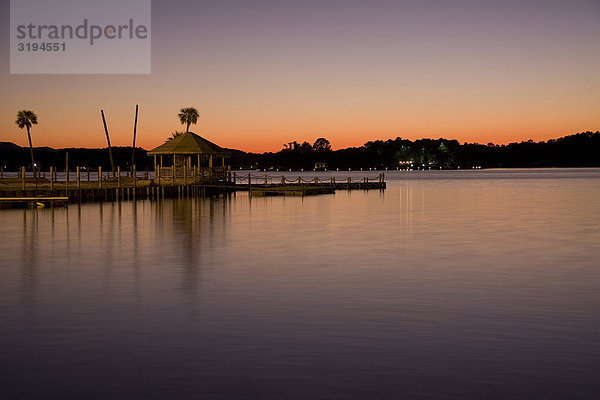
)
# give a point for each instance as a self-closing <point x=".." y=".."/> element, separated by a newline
<point x="453" y="285"/>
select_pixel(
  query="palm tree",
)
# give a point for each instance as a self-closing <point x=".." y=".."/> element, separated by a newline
<point x="174" y="135"/>
<point x="188" y="116"/>
<point x="26" y="118"/>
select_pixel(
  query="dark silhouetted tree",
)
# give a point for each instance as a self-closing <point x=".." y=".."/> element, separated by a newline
<point x="174" y="135"/>
<point x="25" y="119"/>
<point x="188" y="116"/>
<point x="321" y="144"/>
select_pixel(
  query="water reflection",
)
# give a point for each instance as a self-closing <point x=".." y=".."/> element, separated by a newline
<point x="115" y="236"/>
<point x="30" y="266"/>
<point x="450" y="287"/>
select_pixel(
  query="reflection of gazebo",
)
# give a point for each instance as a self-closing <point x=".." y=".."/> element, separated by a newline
<point x="190" y="156"/>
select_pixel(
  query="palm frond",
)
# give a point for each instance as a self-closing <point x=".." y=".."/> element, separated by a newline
<point x="188" y="115"/>
<point x="174" y="135"/>
<point x="26" y="118"/>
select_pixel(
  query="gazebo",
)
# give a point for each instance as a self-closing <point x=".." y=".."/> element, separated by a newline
<point x="176" y="158"/>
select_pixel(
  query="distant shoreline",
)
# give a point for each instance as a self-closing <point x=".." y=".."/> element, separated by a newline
<point x="574" y="151"/>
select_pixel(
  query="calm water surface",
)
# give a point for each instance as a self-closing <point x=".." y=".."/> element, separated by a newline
<point x="450" y="284"/>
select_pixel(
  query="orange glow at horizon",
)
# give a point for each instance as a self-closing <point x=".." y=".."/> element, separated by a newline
<point x="268" y="132"/>
<point x="260" y="138"/>
<point x="260" y="77"/>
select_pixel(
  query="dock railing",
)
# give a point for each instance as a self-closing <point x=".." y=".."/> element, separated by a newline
<point x="86" y="185"/>
<point x="266" y="180"/>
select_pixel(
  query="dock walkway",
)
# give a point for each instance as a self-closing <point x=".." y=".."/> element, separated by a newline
<point x="51" y="193"/>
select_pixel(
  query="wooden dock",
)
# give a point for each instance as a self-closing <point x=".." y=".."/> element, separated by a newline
<point x="268" y="185"/>
<point x="291" y="190"/>
<point x="26" y="192"/>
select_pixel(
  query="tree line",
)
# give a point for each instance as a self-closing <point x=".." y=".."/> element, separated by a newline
<point x="578" y="150"/>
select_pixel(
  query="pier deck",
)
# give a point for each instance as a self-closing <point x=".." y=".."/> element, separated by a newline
<point x="51" y="193"/>
<point x="291" y="190"/>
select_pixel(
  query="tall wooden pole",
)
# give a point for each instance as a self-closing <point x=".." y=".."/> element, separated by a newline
<point x="67" y="174"/>
<point x="112" y="164"/>
<point x="134" y="132"/>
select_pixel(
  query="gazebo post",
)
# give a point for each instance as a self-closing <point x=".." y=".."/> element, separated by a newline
<point x="160" y="172"/>
<point x="224" y="174"/>
<point x="184" y="174"/>
<point x="174" y="174"/>
<point x="210" y="164"/>
<point x="193" y="170"/>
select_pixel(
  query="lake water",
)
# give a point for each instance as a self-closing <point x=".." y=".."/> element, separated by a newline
<point x="449" y="284"/>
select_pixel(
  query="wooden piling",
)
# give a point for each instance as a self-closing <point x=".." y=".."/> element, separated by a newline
<point x="112" y="165"/>
<point x="51" y="178"/>
<point x="100" y="177"/>
<point x="134" y="132"/>
<point x="78" y="180"/>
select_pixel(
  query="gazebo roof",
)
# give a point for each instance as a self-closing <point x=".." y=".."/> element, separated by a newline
<point x="190" y="143"/>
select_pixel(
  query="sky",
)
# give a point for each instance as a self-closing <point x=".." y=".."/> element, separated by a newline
<point x="262" y="73"/>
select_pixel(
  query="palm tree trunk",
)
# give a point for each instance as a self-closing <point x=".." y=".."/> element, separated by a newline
<point x="31" y="151"/>
<point x="32" y="162"/>
<point x="188" y="126"/>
